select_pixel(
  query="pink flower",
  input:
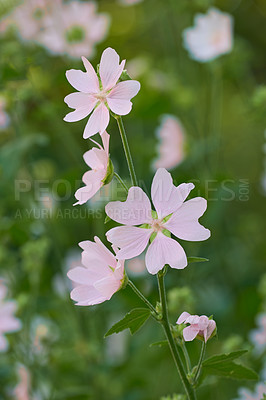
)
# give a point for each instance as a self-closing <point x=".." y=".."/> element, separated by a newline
<point x="100" y="96"/>
<point x="22" y="390"/>
<point x="4" y="117"/>
<point x="172" y="215"/>
<point x="97" y="159"/>
<point x="100" y="276"/>
<point x="171" y="148"/>
<point x="246" y="394"/>
<point x="258" y="336"/>
<point x="210" y="37"/>
<point x="202" y="326"/>
<point x="73" y="28"/>
<point x="8" y="322"/>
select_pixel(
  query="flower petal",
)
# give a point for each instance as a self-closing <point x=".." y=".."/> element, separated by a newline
<point x="166" y="197"/>
<point x="86" y="295"/>
<point x="94" y="81"/>
<point x="98" y="251"/>
<point x="184" y="222"/>
<point x="164" y="250"/>
<point x="81" y="275"/>
<point x="93" y="182"/>
<point x="136" y="210"/>
<point x="110" y="70"/>
<point x="97" y="122"/>
<point x="182" y="318"/>
<point x="83" y="103"/>
<point x="189" y="333"/>
<point x="131" y="240"/>
<point x="211" y="327"/>
<point x="108" y="286"/>
<point x="80" y="81"/>
<point x="119" y="97"/>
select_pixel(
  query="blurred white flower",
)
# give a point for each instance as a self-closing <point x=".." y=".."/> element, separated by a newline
<point x="4" y="117"/>
<point x="210" y="37"/>
<point x="8" y="322"/>
<point x="246" y="394"/>
<point x="74" y="28"/>
<point x="136" y="266"/>
<point x="28" y="17"/>
<point x="172" y="142"/>
<point x="258" y="336"/>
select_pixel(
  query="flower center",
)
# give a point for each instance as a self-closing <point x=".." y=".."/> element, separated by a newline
<point x="157" y="225"/>
<point x="75" y="34"/>
<point x="101" y="95"/>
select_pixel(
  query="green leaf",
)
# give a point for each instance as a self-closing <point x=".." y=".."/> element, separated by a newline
<point x="159" y="344"/>
<point x="223" y="365"/>
<point x="107" y="219"/>
<point x="133" y="321"/>
<point x="191" y="260"/>
<point x="224" y="357"/>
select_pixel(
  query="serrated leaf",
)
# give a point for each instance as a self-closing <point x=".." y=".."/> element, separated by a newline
<point x="132" y="321"/>
<point x="159" y="344"/>
<point x="220" y="358"/>
<point x="231" y="370"/>
<point x="191" y="260"/>
<point x="223" y="365"/>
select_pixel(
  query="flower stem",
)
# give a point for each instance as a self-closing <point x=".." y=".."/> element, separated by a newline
<point x="121" y="181"/>
<point x="167" y="329"/>
<point x="188" y="363"/>
<point x="198" y="370"/>
<point x="142" y="297"/>
<point x="127" y="151"/>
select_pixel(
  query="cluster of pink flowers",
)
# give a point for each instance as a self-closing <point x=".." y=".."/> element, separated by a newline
<point x="8" y="322"/>
<point x="202" y="326"/>
<point x="72" y="28"/>
<point x="101" y="273"/>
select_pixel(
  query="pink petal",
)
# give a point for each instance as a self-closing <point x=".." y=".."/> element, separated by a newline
<point x="131" y="240"/>
<point x="93" y="181"/>
<point x="110" y="70"/>
<point x="96" y="158"/>
<point x="164" y="250"/>
<point x="98" y="251"/>
<point x="97" y="122"/>
<point x="136" y="210"/>
<point x="94" y="81"/>
<point x="189" y="333"/>
<point x="80" y="100"/>
<point x="166" y="197"/>
<point x="81" y="275"/>
<point x="208" y="332"/>
<point x="183" y="317"/>
<point x="86" y="296"/>
<point x="119" y="97"/>
<point x="184" y="222"/>
<point x="80" y="81"/>
<point x="107" y="286"/>
<point x="77" y="115"/>
<point x="105" y="138"/>
<point x="203" y="322"/>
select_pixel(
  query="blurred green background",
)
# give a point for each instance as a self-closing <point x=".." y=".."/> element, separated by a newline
<point x="222" y="108"/>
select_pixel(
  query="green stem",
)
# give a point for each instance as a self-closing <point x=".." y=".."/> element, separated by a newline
<point x="198" y="370"/>
<point x="127" y="151"/>
<point x="167" y="329"/>
<point x="141" y="296"/>
<point x="121" y="181"/>
<point x="188" y="363"/>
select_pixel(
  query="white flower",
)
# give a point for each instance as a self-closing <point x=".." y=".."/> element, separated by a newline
<point x="211" y="36"/>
